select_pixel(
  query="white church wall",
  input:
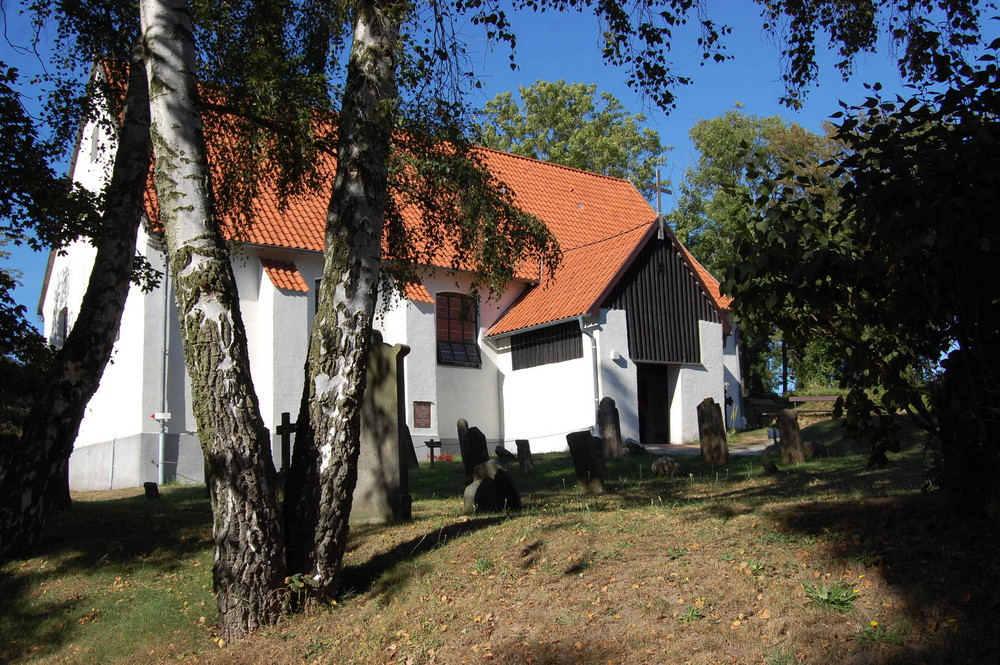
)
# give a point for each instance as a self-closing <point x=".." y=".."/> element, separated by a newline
<point x="733" y="381"/>
<point x="695" y="383"/>
<point x="618" y="371"/>
<point x="544" y="403"/>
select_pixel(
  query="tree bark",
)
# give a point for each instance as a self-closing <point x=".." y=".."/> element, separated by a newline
<point x="249" y="538"/>
<point x="324" y="466"/>
<point x="33" y="477"/>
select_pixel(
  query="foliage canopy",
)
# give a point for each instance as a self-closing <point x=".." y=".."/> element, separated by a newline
<point x="570" y="124"/>
<point x="896" y="275"/>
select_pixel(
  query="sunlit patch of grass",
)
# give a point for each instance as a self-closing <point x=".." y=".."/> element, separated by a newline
<point x="569" y="579"/>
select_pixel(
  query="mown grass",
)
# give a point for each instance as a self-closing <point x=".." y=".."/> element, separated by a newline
<point x="714" y="566"/>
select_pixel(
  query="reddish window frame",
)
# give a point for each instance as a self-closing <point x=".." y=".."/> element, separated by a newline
<point x="455" y="321"/>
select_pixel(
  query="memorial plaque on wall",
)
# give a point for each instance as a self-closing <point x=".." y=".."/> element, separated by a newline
<point x="421" y="415"/>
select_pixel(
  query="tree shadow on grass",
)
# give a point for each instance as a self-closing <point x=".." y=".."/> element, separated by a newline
<point x="97" y="538"/>
<point x="381" y="573"/>
<point x="943" y="568"/>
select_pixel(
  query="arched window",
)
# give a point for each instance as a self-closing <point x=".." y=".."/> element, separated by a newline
<point x="456" y="330"/>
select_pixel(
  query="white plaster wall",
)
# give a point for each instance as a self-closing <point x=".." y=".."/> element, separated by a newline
<point x="116" y="408"/>
<point x="281" y="337"/>
<point x="618" y="377"/>
<point x="545" y="403"/>
<point x="695" y="383"/>
<point x="421" y="368"/>
<point x="390" y="319"/>
<point x="454" y="392"/>
<point x="734" y="381"/>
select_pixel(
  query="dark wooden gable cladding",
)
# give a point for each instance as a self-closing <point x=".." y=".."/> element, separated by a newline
<point x="552" y="344"/>
<point x="663" y="302"/>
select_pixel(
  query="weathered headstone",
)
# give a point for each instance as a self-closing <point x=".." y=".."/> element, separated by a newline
<point x="770" y="468"/>
<point x="463" y="429"/>
<point x="634" y="447"/>
<point x="524" y="456"/>
<point x="382" y="493"/>
<point x="152" y="491"/>
<point x="791" y="439"/>
<point x="665" y="466"/>
<point x="609" y="425"/>
<point x="407" y="444"/>
<point x="491" y="490"/>
<point x="588" y="461"/>
<point x="475" y="451"/>
<point x="815" y="449"/>
<point x="504" y="455"/>
<point x="712" y="433"/>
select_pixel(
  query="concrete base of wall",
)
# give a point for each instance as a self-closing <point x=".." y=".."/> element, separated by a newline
<point x="132" y="461"/>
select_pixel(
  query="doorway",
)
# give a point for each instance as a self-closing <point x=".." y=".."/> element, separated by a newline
<point x="655" y="387"/>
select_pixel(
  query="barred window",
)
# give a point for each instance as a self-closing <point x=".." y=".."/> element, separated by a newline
<point x="456" y="330"/>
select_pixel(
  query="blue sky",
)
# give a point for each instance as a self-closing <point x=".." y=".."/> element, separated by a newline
<point x="553" y="46"/>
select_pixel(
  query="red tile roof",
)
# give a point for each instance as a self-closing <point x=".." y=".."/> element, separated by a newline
<point x="599" y="221"/>
<point x="712" y="286"/>
<point x="583" y="281"/>
<point x="284" y="275"/>
<point x="418" y="292"/>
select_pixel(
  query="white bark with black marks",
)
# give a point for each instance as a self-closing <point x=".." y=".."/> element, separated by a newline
<point x="249" y="538"/>
<point x="324" y="471"/>
<point x="33" y="471"/>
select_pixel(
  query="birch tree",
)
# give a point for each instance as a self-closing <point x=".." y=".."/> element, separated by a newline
<point x="34" y="469"/>
<point x="249" y="539"/>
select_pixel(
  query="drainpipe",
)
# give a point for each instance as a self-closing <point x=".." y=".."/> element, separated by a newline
<point x="161" y="474"/>
<point x="597" y="373"/>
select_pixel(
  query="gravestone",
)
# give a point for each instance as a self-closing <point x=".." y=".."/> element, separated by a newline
<point x="407" y="443"/>
<point x="588" y="461"/>
<point x="504" y="455"/>
<point x="382" y="493"/>
<point x="491" y="490"/>
<point x="152" y="491"/>
<point x="285" y="431"/>
<point x="524" y="456"/>
<point x="463" y="429"/>
<point x="609" y="425"/>
<point x="712" y="433"/>
<point x="791" y="439"/>
<point x="665" y="466"/>
<point x="634" y="447"/>
<point x="475" y="451"/>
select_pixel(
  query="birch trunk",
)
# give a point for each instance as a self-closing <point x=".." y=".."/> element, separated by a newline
<point x="33" y="472"/>
<point x="324" y="470"/>
<point x="249" y="548"/>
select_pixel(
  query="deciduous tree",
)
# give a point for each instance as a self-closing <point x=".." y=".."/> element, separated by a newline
<point x="714" y="200"/>
<point x="570" y="124"/>
<point x="893" y="275"/>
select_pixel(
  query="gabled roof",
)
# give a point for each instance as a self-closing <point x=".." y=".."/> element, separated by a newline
<point x="587" y="274"/>
<point x="600" y="222"/>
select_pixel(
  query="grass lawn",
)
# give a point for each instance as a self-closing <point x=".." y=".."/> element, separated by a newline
<point x="824" y="563"/>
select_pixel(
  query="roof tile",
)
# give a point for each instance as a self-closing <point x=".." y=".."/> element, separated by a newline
<point x="284" y="275"/>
